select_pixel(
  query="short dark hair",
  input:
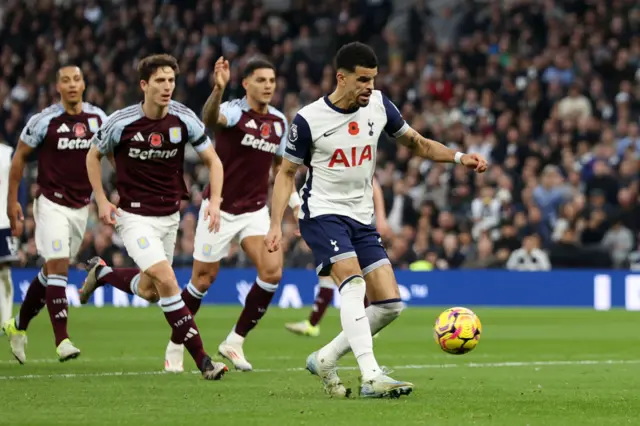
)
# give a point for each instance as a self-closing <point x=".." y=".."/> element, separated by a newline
<point x="257" y="64"/>
<point x="150" y="64"/>
<point x="61" y="67"/>
<point x="354" y="55"/>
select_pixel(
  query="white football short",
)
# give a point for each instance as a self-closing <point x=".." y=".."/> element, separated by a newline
<point x="211" y="247"/>
<point x="59" y="229"/>
<point x="148" y="239"/>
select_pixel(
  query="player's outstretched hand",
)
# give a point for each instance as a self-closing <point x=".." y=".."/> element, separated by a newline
<point x="212" y="213"/>
<point x="107" y="212"/>
<point x="475" y="162"/>
<point x="273" y="239"/>
<point x="16" y="218"/>
<point x="221" y="72"/>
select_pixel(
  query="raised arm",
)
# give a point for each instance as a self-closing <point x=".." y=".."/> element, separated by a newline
<point x="435" y="151"/>
<point x="211" y="112"/>
<point x="426" y="148"/>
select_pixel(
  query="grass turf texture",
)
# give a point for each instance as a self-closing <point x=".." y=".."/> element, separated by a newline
<point x="532" y="367"/>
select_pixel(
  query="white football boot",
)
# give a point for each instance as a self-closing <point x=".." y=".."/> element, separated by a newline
<point x="17" y="340"/>
<point x="384" y="386"/>
<point x="234" y="353"/>
<point x="329" y="375"/>
<point x="174" y="358"/>
<point x="67" y="351"/>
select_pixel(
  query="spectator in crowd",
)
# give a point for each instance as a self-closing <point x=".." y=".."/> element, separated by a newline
<point x="529" y="257"/>
<point x="548" y="91"/>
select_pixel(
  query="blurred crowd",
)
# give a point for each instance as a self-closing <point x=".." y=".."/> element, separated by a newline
<point x="548" y="91"/>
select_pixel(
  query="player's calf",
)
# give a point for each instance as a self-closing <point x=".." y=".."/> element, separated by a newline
<point x="129" y="280"/>
<point x="202" y="276"/>
<point x="184" y="328"/>
<point x="269" y="267"/>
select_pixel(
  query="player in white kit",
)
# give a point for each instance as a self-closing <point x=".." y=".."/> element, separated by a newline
<point x="336" y="138"/>
<point x="8" y="243"/>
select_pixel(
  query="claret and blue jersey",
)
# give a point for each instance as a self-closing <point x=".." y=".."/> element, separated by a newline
<point x="339" y="148"/>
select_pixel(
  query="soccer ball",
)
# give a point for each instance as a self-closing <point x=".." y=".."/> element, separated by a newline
<point x="457" y="330"/>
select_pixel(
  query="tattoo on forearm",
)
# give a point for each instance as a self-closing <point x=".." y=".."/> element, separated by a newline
<point x="212" y="107"/>
<point x="419" y="144"/>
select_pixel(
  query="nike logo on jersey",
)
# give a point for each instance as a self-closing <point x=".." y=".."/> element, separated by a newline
<point x="330" y="132"/>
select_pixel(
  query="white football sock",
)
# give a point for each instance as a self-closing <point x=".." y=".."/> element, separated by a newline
<point x="355" y="325"/>
<point x="6" y="295"/>
<point x="380" y="314"/>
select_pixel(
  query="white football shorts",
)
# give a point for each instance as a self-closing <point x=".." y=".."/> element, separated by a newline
<point x="148" y="239"/>
<point x="59" y="229"/>
<point x="211" y="247"/>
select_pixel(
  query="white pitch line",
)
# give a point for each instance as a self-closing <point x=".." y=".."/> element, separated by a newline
<point x="398" y="367"/>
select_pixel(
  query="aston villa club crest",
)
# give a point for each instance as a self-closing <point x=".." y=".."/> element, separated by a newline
<point x="93" y="125"/>
<point x="265" y="130"/>
<point x="156" y="140"/>
<point x="79" y="130"/>
<point x="175" y="135"/>
<point x="278" y="128"/>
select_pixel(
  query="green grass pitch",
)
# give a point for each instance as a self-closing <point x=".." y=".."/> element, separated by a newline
<point x="532" y="367"/>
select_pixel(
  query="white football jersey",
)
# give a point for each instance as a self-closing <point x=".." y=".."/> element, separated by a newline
<point x="5" y="165"/>
<point x="339" y="148"/>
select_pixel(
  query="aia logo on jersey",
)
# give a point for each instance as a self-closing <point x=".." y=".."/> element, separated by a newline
<point x="79" y="130"/>
<point x="353" y="128"/>
<point x="156" y="140"/>
<point x="265" y="130"/>
<point x="357" y="157"/>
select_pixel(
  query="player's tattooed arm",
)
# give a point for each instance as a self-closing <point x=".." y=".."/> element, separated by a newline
<point x="435" y="151"/>
<point x="211" y="116"/>
<point x="211" y="112"/>
<point x="426" y="148"/>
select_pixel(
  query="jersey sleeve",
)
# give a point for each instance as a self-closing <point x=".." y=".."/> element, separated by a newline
<point x="232" y="111"/>
<point x="100" y="113"/>
<point x="396" y="126"/>
<point x="108" y="136"/>
<point x="299" y="140"/>
<point x="36" y="129"/>
<point x="196" y="134"/>
<point x="283" y="140"/>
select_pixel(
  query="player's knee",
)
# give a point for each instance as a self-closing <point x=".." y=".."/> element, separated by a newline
<point x="204" y="276"/>
<point x="149" y="294"/>
<point x="57" y="266"/>
<point x="391" y="310"/>
<point x="271" y="275"/>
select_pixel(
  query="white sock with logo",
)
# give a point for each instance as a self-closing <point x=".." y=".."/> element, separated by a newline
<point x="356" y="327"/>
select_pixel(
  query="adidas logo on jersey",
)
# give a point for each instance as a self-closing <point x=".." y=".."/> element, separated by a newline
<point x="66" y="143"/>
<point x="138" y="137"/>
<point x="63" y="128"/>
<point x="251" y="124"/>
<point x="151" y="154"/>
<point x="259" y="144"/>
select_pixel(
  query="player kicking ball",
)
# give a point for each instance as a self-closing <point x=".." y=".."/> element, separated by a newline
<point x="311" y="326"/>
<point x="148" y="141"/>
<point x="250" y="136"/>
<point x="61" y="133"/>
<point x="336" y="137"/>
